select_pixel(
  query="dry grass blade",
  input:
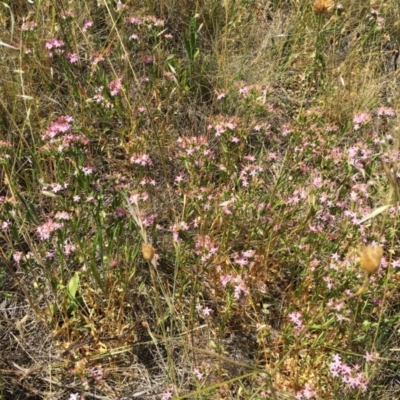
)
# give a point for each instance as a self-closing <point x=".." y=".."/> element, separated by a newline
<point x="8" y="46"/>
<point x="376" y="212"/>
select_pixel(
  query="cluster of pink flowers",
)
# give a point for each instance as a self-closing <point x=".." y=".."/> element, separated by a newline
<point x="245" y="258"/>
<point x="141" y="159"/>
<point x="4" y="146"/>
<point x="68" y="14"/>
<point x="69" y="248"/>
<point x="60" y="125"/>
<point x="87" y="24"/>
<point x="360" y="119"/>
<point x="55" y="46"/>
<point x="168" y="392"/>
<point x="203" y="311"/>
<point x="149" y="219"/>
<point x="29" y="26"/>
<point x="18" y="256"/>
<point x="150" y="21"/>
<point x="350" y="376"/>
<point x="44" y="231"/>
<point x="257" y="90"/>
<point x="222" y="124"/>
<point x="205" y="247"/>
<point x="380" y="22"/>
<point x="97" y="57"/>
<point x="236" y="281"/>
<point x="364" y="117"/>
<point x="62" y="215"/>
<point x="53" y="133"/>
<point x="249" y="172"/>
<point x="73" y="58"/>
<point x="68" y="140"/>
<point x="176" y="228"/>
<point x="307" y="393"/>
<point x="201" y="371"/>
<point x="386" y="111"/>
<point x="296" y="318"/>
<point x="115" y="86"/>
<point x="195" y="146"/>
<point x="147" y="181"/>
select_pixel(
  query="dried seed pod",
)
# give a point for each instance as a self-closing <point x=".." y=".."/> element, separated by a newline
<point x="370" y="258"/>
<point x="147" y="251"/>
<point x="323" y="6"/>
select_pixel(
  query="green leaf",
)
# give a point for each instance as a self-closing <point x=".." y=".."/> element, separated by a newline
<point x="73" y="286"/>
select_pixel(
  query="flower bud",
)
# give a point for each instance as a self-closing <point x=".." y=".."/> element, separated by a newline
<point x="370" y="258"/>
<point x="323" y="6"/>
<point x="147" y="251"/>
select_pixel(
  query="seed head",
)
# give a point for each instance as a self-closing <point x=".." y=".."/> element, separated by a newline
<point x="370" y="258"/>
<point x="323" y="6"/>
<point x="147" y="251"/>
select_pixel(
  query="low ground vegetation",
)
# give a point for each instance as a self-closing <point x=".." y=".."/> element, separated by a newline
<point x="199" y="199"/>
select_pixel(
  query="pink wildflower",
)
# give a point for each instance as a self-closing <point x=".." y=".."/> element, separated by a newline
<point x="55" y="46"/>
<point x="88" y="24"/>
<point x="18" y="256"/>
<point x="199" y="375"/>
<point x="60" y="125"/>
<point x="47" y="228"/>
<point x="386" y="111"/>
<point x="295" y="318"/>
<point x="371" y="357"/>
<point x="68" y="248"/>
<point x="28" y="26"/>
<point x="361" y="118"/>
<point x="167" y="395"/>
<point x="115" y="86"/>
<point x="141" y="159"/>
<point x="72" y="57"/>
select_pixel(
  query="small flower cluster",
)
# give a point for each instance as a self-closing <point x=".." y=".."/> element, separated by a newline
<point x="237" y="283"/>
<point x="44" y="231"/>
<point x="223" y="124"/>
<point x="350" y="376"/>
<point x="364" y="117"/>
<point x="176" y="228"/>
<point x="29" y="26"/>
<point x="68" y="14"/>
<point x="149" y="21"/>
<point x="386" y="111"/>
<point x="205" y="248"/>
<point x="73" y="58"/>
<point x="61" y="142"/>
<point x="100" y="99"/>
<point x="86" y="25"/>
<point x="203" y="311"/>
<point x="245" y="258"/>
<point x="257" y="90"/>
<point x="4" y="147"/>
<point x="195" y="147"/>
<point x="115" y="86"/>
<point x="249" y="171"/>
<point x="380" y="22"/>
<point x="60" y="125"/>
<point x="307" y="393"/>
<point x="55" y="46"/>
<point x="360" y="119"/>
<point x="296" y="318"/>
<point x="141" y="159"/>
<point x="201" y="371"/>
